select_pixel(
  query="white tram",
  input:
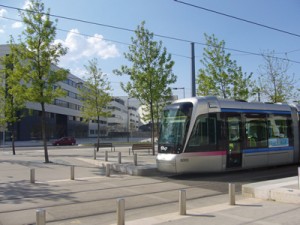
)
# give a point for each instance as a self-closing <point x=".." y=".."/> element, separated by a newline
<point x="207" y="134"/>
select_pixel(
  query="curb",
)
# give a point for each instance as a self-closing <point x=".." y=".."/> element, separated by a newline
<point x="281" y="190"/>
<point x="127" y="168"/>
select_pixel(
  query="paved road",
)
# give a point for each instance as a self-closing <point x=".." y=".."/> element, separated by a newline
<point x="91" y="197"/>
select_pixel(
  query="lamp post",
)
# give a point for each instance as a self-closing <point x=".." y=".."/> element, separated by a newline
<point x="178" y="88"/>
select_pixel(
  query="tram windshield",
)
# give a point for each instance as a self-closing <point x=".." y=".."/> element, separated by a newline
<point x="174" y="126"/>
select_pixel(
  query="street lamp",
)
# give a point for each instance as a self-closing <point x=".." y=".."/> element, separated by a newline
<point x="178" y="88"/>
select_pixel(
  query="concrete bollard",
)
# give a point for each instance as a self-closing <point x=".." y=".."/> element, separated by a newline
<point x="135" y="159"/>
<point x="299" y="177"/>
<point x="32" y="176"/>
<point x="106" y="156"/>
<point x="72" y="173"/>
<point x="95" y="151"/>
<point x="119" y="157"/>
<point x="40" y="217"/>
<point x="182" y="202"/>
<point x="231" y="188"/>
<point x="120" y="211"/>
<point x="107" y="172"/>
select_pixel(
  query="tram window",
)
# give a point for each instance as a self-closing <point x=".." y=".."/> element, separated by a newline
<point x="233" y="129"/>
<point x="256" y="131"/>
<point x="203" y="134"/>
<point x="279" y="130"/>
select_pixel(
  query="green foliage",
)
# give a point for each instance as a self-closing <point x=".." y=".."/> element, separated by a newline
<point x="150" y="72"/>
<point x="274" y="82"/>
<point x="39" y="55"/>
<point x="12" y="90"/>
<point x="221" y="76"/>
<point x="95" y="93"/>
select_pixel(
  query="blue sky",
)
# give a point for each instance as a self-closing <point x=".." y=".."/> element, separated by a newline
<point x="168" y="18"/>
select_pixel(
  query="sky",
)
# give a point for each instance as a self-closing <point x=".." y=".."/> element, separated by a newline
<point x="109" y="38"/>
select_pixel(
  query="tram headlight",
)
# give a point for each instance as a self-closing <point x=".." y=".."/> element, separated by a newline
<point x="166" y="157"/>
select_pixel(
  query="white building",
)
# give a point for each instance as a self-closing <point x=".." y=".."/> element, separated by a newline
<point x="64" y="115"/>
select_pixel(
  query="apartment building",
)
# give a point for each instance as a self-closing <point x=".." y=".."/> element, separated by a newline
<point x="64" y="115"/>
<point x="125" y="116"/>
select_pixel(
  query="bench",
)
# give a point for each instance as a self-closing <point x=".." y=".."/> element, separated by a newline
<point x="140" y="146"/>
<point x="105" y="145"/>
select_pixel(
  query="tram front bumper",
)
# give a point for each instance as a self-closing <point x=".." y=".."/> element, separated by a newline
<point x="166" y="163"/>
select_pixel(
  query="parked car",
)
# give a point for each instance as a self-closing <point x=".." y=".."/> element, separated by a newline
<point x="65" y="141"/>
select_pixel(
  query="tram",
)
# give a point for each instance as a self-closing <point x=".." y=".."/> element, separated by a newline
<point x="208" y="134"/>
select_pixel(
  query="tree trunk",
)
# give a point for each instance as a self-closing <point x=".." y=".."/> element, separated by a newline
<point x="152" y="138"/>
<point x="152" y="128"/>
<point x="13" y="138"/>
<point x="44" y="133"/>
<point x="98" y="133"/>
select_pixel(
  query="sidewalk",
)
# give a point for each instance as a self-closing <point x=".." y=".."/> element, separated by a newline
<point x="269" y="202"/>
<point x="246" y="211"/>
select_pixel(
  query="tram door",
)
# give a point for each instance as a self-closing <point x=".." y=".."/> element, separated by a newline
<point x="234" y="152"/>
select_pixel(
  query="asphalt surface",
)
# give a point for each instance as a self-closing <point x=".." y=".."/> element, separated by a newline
<point x="150" y="198"/>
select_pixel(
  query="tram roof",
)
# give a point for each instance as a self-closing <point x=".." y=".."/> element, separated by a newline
<point x="229" y="105"/>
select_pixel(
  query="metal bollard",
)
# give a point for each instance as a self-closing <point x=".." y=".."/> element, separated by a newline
<point x="95" y="153"/>
<point x="72" y="173"/>
<point x="106" y="156"/>
<point x="120" y="211"/>
<point x="119" y="157"/>
<point x="40" y="217"/>
<point x="107" y="172"/>
<point x="231" y="188"/>
<point x="32" y="176"/>
<point x="182" y="202"/>
<point x="299" y="177"/>
<point x="135" y="159"/>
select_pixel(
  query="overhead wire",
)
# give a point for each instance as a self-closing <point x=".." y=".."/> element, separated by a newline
<point x="237" y="18"/>
<point x="92" y="36"/>
<point x="157" y="35"/>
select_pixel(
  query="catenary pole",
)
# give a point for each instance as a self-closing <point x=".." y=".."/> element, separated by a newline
<point x="193" y="70"/>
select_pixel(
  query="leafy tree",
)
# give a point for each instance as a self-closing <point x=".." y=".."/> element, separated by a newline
<point x="12" y="90"/>
<point x="274" y="82"/>
<point x="39" y="53"/>
<point x="95" y="95"/>
<point x="221" y="76"/>
<point x="150" y="72"/>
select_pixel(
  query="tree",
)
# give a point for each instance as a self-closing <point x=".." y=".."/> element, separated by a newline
<point x="274" y="82"/>
<point x="150" y="72"/>
<point x="39" y="53"/>
<point x="12" y="91"/>
<point x="95" y="95"/>
<point x="221" y="76"/>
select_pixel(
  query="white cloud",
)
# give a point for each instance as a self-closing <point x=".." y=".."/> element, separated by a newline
<point x="78" y="71"/>
<point x="3" y="12"/>
<point x="80" y="47"/>
<point x="17" y="25"/>
<point x="27" y="4"/>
